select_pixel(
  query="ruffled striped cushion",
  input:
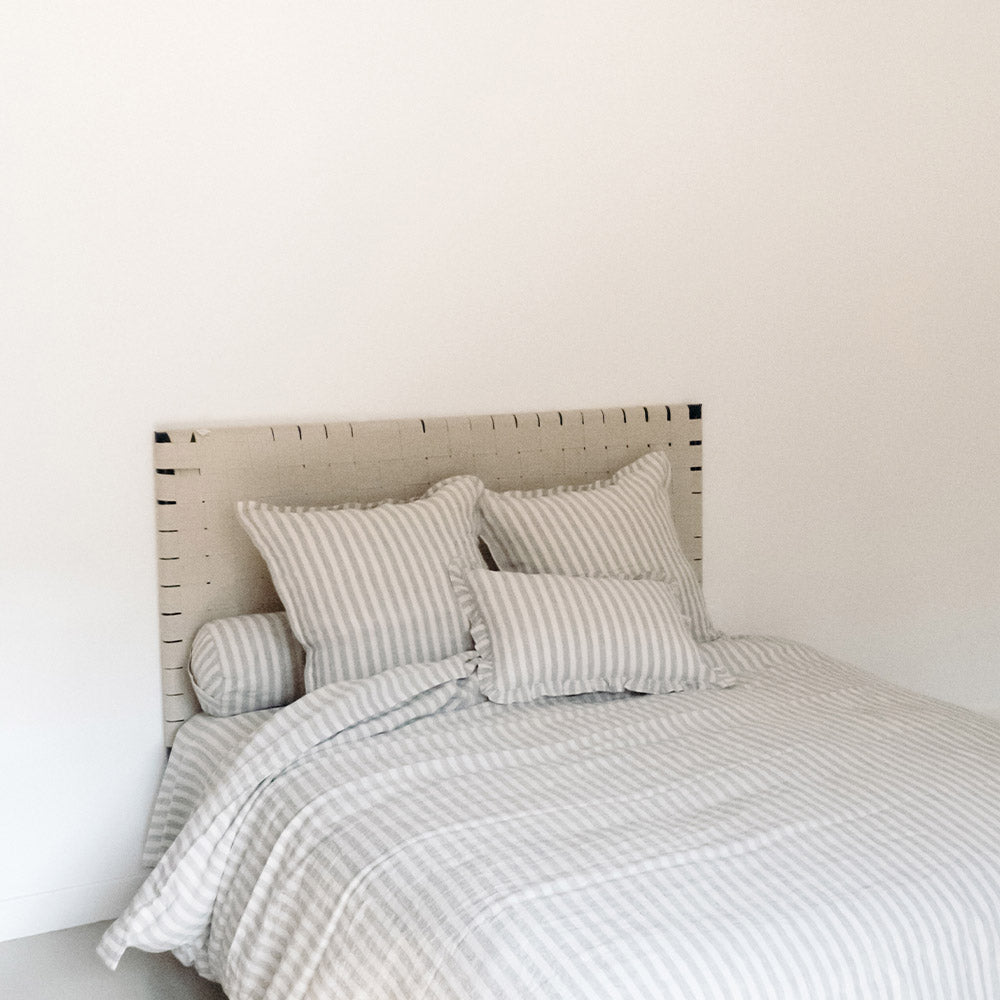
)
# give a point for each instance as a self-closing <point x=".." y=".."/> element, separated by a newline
<point x="541" y="635"/>
<point x="616" y="527"/>
<point x="367" y="589"/>
<point x="245" y="663"/>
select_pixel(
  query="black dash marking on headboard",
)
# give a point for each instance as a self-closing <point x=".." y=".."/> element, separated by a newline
<point x="161" y="437"/>
<point x="694" y="411"/>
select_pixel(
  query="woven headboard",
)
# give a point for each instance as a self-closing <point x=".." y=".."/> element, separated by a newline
<point x="208" y="567"/>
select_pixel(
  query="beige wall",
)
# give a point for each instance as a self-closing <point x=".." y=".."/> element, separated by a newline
<point x="216" y="212"/>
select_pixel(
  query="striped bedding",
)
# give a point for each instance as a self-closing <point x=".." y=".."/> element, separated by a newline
<point x="807" y="833"/>
<point x="203" y="750"/>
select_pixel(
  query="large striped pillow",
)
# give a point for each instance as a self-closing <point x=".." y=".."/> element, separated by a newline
<point x="367" y="589"/>
<point x="621" y="526"/>
<point x="245" y="663"/>
<point x="541" y="635"/>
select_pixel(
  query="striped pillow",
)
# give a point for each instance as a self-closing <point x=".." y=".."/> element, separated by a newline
<point x="367" y="589"/>
<point x="616" y="527"/>
<point x="246" y="663"/>
<point x="557" y="635"/>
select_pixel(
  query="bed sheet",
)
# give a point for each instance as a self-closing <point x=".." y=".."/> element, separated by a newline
<point x="203" y="750"/>
<point x="809" y="832"/>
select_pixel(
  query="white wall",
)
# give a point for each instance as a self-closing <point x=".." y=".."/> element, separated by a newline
<point x="261" y="211"/>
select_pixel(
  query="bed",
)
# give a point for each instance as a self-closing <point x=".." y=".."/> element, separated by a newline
<point x="517" y="759"/>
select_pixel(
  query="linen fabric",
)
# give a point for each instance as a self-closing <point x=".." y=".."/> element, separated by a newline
<point x="620" y="526"/>
<point x="810" y="832"/>
<point x="542" y="635"/>
<point x="245" y="663"/>
<point x="368" y="588"/>
<point x="202" y="752"/>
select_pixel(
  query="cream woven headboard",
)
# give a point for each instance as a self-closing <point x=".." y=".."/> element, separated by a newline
<point x="209" y="569"/>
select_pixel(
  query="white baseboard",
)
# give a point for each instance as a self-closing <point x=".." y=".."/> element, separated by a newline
<point x="41" y="912"/>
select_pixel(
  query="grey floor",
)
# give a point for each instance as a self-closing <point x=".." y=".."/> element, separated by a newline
<point x="63" y="966"/>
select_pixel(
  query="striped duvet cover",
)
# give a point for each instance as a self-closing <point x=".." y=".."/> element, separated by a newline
<point x="807" y="833"/>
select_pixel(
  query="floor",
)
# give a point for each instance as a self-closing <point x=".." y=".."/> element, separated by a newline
<point x="63" y="966"/>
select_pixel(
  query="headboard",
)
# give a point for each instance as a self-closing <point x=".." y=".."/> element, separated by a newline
<point x="209" y="569"/>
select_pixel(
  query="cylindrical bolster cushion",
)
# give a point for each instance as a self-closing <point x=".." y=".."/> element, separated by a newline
<point x="246" y="663"/>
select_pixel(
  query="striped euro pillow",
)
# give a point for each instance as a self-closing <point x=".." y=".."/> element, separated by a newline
<point x="368" y="588"/>
<point x="246" y="663"/>
<point x="620" y="526"/>
<point x="539" y="635"/>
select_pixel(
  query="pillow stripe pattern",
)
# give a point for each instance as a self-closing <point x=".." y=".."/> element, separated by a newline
<point x="367" y="589"/>
<point x="556" y="635"/>
<point x="621" y="526"/>
<point x="245" y="663"/>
